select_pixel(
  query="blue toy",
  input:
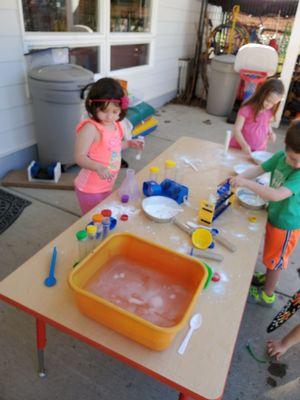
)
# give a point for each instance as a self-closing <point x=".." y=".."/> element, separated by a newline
<point x="167" y="188"/>
<point x="51" y="173"/>
<point x="224" y="198"/>
<point x="151" y="188"/>
<point x="210" y="210"/>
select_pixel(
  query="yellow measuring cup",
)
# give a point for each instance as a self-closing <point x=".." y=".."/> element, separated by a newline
<point x="202" y="238"/>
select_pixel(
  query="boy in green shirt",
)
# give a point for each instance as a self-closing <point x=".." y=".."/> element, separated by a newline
<point x="283" y="227"/>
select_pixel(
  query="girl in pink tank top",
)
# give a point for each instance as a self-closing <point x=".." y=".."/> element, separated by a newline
<point x="252" y="129"/>
<point x="99" y="142"/>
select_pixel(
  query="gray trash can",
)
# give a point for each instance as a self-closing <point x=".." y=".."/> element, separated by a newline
<point x="223" y="84"/>
<point x="58" y="108"/>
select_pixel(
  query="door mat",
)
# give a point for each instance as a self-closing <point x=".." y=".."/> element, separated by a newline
<point x="18" y="178"/>
<point x="11" y="208"/>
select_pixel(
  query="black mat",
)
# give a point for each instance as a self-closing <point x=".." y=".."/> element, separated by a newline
<point x="11" y="208"/>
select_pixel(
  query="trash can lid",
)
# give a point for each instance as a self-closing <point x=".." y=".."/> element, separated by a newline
<point x="63" y="73"/>
<point x="224" y="58"/>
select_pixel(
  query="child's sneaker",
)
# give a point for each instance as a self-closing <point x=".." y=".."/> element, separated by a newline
<point x="258" y="279"/>
<point x="259" y="296"/>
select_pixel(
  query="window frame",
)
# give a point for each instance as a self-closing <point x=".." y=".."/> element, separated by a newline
<point x="103" y="39"/>
<point x="131" y="70"/>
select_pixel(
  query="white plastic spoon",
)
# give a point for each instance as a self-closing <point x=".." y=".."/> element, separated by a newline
<point x="195" y="323"/>
<point x="188" y="162"/>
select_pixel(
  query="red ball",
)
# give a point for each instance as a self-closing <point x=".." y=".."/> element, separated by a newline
<point x="124" y="217"/>
<point x="106" y="213"/>
<point x="216" y="277"/>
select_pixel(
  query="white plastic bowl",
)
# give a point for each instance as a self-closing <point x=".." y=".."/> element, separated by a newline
<point x="160" y="208"/>
<point x="240" y="168"/>
<point x="249" y="199"/>
<point x="261" y="156"/>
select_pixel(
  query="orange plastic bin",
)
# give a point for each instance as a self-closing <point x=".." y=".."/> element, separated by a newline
<point x="179" y="271"/>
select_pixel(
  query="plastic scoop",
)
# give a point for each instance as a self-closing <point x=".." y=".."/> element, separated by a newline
<point x="51" y="280"/>
<point x="195" y="323"/>
<point x="218" y="236"/>
<point x="190" y="163"/>
<point x="201" y="238"/>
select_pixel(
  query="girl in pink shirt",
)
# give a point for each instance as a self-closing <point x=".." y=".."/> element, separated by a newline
<point x="252" y="128"/>
<point x="99" y="142"/>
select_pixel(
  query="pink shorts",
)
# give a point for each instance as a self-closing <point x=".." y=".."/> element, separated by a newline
<point x="88" y="201"/>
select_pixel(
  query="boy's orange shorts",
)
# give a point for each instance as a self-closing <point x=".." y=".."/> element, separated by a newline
<point x="279" y="245"/>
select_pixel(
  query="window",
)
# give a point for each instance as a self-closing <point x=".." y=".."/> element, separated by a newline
<point x="87" y="57"/>
<point x="101" y="35"/>
<point x="130" y="16"/>
<point x="60" y="15"/>
<point x="130" y="55"/>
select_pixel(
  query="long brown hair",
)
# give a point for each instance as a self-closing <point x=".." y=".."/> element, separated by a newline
<point x="271" y="85"/>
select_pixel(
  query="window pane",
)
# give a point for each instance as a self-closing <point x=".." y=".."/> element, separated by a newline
<point x="130" y="15"/>
<point x="87" y="57"/>
<point x="60" y="15"/>
<point x="126" y="56"/>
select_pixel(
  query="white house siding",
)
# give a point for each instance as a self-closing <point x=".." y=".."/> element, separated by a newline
<point x="16" y="128"/>
<point x="175" y="35"/>
<point x="176" y="27"/>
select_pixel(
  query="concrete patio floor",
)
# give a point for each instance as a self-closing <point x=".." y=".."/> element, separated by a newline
<point x="77" y="371"/>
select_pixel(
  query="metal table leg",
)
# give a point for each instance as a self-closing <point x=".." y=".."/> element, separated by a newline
<point x="182" y="396"/>
<point x="41" y="344"/>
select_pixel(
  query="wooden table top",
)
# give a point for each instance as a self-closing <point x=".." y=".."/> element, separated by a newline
<point x="203" y="369"/>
